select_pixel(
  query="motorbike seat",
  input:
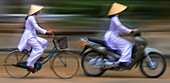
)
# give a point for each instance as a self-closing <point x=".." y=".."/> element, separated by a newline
<point x="98" y="41"/>
<point x="102" y="43"/>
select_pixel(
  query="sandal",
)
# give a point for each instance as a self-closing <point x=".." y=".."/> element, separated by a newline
<point x="124" y="64"/>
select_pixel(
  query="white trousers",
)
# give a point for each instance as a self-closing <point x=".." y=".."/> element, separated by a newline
<point x="125" y="47"/>
<point x="38" y="46"/>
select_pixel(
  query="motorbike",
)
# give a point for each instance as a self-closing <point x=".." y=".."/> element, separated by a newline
<point x="96" y="53"/>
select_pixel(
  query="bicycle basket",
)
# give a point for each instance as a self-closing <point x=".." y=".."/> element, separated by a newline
<point x="62" y="42"/>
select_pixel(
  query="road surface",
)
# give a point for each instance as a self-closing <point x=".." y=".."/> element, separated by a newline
<point x="47" y="76"/>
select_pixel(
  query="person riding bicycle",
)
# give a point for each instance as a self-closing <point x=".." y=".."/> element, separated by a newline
<point x="114" y="41"/>
<point x="29" y="38"/>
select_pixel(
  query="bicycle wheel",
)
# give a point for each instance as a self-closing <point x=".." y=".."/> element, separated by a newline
<point x="155" y="68"/>
<point x="11" y="64"/>
<point x="66" y="66"/>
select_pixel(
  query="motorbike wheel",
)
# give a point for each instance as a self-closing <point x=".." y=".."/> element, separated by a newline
<point x="153" y="66"/>
<point x="88" y="70"/>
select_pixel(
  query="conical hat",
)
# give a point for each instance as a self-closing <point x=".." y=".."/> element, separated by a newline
<point x="34" y="9"/>
<point x="116" y="8"/>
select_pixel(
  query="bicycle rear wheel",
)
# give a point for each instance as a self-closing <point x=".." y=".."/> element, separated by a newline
<point x="12" y="62"/>
<point x="66" y="66"/>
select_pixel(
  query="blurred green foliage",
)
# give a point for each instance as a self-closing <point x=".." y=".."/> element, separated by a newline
<point x="137" y="9"/>
<point x="92" y="14"/>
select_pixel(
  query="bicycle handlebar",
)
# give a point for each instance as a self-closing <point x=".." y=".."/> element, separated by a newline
<point x="53" y="38"/>
<point x="52" y="35"/>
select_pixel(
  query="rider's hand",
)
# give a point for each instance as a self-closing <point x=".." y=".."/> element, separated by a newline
<point x="133" y="31"/>
<point x="49" y="32"/>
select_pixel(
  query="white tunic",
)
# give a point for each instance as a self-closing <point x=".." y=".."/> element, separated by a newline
<point x="113" y="32"/>
<point x="30" y="31"/>
<point x="114" y="41"/>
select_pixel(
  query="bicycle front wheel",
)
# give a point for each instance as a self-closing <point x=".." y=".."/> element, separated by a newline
<point x="65" y="66"/>
<point x="12" y="62"/>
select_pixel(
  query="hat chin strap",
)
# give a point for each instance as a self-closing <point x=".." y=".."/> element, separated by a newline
<point x="38" y="13"/>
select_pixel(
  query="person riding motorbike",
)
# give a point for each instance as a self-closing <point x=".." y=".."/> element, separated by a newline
<point x="29" y="38"/>
<point x="114" y="41"/>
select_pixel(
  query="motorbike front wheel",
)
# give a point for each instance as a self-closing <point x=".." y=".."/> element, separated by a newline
<point x="91" y="64"/>
<point x="153" y="66"/>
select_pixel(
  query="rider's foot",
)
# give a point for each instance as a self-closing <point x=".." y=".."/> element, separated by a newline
<point x="124" y="64"/>
<point x="31" y="69"/>
<point x="113" y="64"/>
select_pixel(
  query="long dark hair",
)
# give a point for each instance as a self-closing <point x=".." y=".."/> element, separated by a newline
<point x="30" y="15"/>
<point x="26" y="17"/>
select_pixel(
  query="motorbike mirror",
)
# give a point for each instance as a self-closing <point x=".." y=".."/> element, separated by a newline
<point x="137" y="32"/>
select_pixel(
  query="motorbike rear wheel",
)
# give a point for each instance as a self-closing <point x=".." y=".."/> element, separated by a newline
<point x="153" y="66"/>
<point x="88" y="70"/>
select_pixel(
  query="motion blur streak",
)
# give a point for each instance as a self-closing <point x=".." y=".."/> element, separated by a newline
<point x="80" y="17"/>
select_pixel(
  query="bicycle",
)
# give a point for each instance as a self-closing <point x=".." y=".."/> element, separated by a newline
<point x="66" y="67"/>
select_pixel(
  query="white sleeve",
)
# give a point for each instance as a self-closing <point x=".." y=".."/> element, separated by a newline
<point x="120" y="26"/>
<point x="35" y="25"/>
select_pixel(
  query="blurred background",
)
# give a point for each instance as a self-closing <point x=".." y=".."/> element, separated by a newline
<point x="86" y="18"/>
<point x="81" y="18"/>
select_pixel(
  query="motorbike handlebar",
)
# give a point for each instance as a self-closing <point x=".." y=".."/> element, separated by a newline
<point x="137" y="32"/>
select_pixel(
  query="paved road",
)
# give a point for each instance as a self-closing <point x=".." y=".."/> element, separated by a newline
<point x="46" y="75"/>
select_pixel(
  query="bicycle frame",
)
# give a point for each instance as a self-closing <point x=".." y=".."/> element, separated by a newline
<point x="17" y="61"/>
